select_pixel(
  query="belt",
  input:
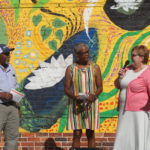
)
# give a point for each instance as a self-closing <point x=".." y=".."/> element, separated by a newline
<point x="9" y="103"/>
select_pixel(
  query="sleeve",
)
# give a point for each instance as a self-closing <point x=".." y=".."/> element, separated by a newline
<point x="148" y="87"/>
<point x="147" y="84"/>
<point x="16" y="86"/>
<point x="15" y="78"/>
<point x="16" y="82"/>
<point x="147" y="81"/>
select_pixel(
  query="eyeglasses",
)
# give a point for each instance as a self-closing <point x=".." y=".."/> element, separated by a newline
<point x="82" y="53"/>
<point x="6" y="54"/>
<point x="133" y="55"/>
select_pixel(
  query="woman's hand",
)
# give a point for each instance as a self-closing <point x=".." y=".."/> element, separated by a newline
<point x="91" y="98"/>
<point x="121" y="73"/>
<point x="78" y="99"/>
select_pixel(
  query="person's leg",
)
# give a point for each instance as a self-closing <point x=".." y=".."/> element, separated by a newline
<point x="91" y="138"/>
<point x="76" y="138"/>
<point x="3" y="116"/>
<point x="11" y="129"/>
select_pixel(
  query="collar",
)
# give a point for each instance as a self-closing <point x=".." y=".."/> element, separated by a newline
<point x="5" y="70"/>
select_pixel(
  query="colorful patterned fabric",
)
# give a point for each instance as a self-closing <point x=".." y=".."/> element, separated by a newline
<point x="80" y="116"/>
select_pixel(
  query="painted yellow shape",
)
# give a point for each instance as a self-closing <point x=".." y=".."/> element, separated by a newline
<point x="109" y="104"/>
<point x="23" y="130"/>
<point x="108" y="126"/>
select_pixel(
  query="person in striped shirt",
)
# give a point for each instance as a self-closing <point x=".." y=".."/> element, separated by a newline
<point x="83" y="85"/>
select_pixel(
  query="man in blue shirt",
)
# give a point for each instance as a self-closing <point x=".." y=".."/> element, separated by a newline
<point x="9" y="116"/>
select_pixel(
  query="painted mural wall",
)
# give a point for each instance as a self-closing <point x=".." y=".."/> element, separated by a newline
<point x="43" y="33"/>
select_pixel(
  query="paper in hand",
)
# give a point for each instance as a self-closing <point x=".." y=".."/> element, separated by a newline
<point x="17" y="96"/>
<point x="83" y="96"/>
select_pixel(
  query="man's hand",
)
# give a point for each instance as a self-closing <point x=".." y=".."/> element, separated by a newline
<point x="6" y="95"/>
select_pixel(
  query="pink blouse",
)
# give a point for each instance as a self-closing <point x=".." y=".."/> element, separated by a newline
<point x="138" y="93"/>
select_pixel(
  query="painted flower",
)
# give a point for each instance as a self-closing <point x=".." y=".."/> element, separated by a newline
<point x="49" y="74"/>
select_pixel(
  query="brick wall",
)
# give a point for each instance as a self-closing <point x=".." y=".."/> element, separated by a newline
<point x="58" y="141"/>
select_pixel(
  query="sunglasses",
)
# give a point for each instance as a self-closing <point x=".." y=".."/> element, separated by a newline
<point x="6" y="54"/>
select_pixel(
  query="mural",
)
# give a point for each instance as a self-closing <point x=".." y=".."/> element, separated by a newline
<point x="43" y="33"/>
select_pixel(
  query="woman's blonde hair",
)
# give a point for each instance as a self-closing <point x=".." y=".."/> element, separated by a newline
<point x="142" y="51"/>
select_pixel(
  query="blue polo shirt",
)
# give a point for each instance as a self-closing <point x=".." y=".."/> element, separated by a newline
<point x="8" y="80"/>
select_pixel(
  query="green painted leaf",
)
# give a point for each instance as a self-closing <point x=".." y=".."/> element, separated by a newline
<point x="45" y="32"/>
<point x="36" y="19"/>
<point x="63" y="121"/>
<point x="59" y="34"/>
<point x="53" y="45"/>
<point x="3" y="32"/>
<point x="38" y="5"/>
<point x="57" y="23"/>
<point x="15" y="4"/>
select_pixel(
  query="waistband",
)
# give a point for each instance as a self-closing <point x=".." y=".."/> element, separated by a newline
<point x="10" y="103"/>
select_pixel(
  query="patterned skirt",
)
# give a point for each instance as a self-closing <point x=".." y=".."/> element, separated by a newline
<point x="81" y="116"/>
